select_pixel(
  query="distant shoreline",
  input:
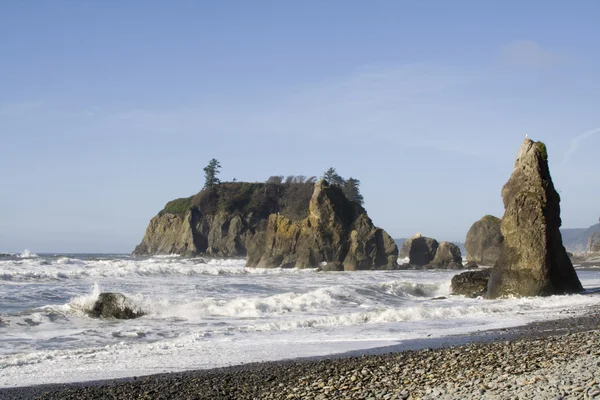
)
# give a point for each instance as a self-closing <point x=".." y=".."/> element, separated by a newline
<point x="222" y="383"/>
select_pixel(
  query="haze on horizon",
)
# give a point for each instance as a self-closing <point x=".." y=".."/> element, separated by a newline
<point x="110" y="109"/>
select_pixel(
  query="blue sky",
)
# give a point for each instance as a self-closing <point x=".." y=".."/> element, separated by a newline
<point x="108" y="109"/>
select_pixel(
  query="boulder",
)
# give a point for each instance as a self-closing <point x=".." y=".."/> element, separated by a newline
<point x="471" y="283"/>
<point x="115" y="305"/>
<point x="594" y="242"/>
<point x="336" y="230"/>
<point x="446" y="254"/>
<point x="455" y="265"/>
<point x="533" y="260"/>
<point x="484" y="241"/>
<point x="420" y="250"/>
<point x="471" y="265"/>
<point x="332" y="266"/>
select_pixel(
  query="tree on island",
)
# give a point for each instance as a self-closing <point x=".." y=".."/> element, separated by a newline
<point x="332" y="178"/>
<point x="275" y="179"/>
<point x="352" y="191"/>
<point x="210" y="173"/>
<point x="350" y="187"/>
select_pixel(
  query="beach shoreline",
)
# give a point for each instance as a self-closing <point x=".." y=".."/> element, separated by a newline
<point x="288" y="378"/>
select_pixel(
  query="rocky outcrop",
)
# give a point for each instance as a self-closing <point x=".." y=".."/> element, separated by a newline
<point x="335" y="231"/>
<point x="168" y="234"/>
<point x="533" y="260"/>
<point x="420" y="250"/>
<point x="115" y="305"/>
<point x="192" y="232"/>
<point x="427" y="253"/>
<point x="484" y="241"/>
<point x="447" y="255"/>
<point x="594" y="243"/>
<point x="471" y="283"/>
<point x="273" y="225"/>
<point x="221" y="221"/>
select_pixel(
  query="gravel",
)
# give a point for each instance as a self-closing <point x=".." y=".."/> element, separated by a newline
<point x="548" y="360"/>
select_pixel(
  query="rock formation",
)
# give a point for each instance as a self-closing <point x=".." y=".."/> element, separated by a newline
<point x="447" y="255"/>
<point x="221" y="221"/>
<point x="115" y="305"/>
<point x="471" y="283"/>
<point x="420" y="250"/>
<point x="594" y="243"/>
<point x="484" y="241"/>
<point x="336" y="230"/>
<point x="274" y="225"/>
<point x="426" y="253"/>
<point x="533" y="260"/>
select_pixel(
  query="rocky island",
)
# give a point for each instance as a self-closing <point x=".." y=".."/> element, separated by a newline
<point x="274" y="224"/>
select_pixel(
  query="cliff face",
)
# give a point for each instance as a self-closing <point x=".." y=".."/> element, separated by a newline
<point x="292" y="226"/>
<point x="220" y="235"/>
<point x="336" y="230"/>
<point x="168" y="234"/>
<point x="533" y="260"/>
<point x="220" y="221"/>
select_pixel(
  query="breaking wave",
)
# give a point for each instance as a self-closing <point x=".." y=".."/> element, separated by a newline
<point x="61" y="268"/>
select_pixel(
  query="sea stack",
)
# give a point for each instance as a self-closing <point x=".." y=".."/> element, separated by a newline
<point x="484" y="241"/>
<point x="419" y="249"/>
<point x="533" y="260"/>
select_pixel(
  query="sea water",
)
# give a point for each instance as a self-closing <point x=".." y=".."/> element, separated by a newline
<point x="205" y="313"/>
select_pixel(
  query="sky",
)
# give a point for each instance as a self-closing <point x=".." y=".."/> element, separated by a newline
<point x="109" y="109"/>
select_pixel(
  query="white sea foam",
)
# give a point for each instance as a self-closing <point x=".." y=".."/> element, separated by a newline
<point x="27" y="254"/>
<point x="69" y="268"/>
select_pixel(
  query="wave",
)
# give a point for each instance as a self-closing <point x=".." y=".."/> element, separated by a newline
<point x="332" y="306"/>
<point x="27" y="254"/>
<point x="481" y="310"/>
<point x="322" y="300"/>
<point x="72" y="268"/>
<point x="414" y="289"/>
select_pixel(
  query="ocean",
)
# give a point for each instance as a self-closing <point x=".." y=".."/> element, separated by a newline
<point x="207" y="313"/>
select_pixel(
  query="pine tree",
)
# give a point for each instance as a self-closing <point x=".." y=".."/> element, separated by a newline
<point x="210" y="173"/>
<point x="332" y="178"/>
<point x="352" y="191"/>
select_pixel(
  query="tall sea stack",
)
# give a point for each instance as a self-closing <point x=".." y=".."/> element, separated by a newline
<point x="533" y="260"/>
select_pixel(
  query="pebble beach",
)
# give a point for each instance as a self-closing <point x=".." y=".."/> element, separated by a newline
<point x="557" y="359"/>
